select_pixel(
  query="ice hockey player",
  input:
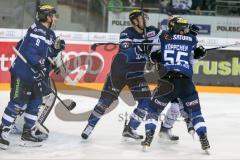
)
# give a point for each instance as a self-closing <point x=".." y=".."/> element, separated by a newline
<point x="176" y="109"/>
<point x="26" y="87"/>
<point x="123" y="73"/>
<point x="177" y="48"/>
<point x="53" y="62"/>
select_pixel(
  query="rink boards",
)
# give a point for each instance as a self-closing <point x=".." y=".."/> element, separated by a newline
<point x="218" y="72"/>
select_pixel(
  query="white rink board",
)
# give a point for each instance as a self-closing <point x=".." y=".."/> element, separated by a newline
<point x="221" y="111"/>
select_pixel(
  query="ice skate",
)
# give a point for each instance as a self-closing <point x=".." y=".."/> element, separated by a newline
<point x="4" y="132"/>
<point x="204" y="143"/>
<point x="130" y="134"/>
<point x="87" y="131"/>
<point x="165" y="135"/>
<point x="29" y="139"/>
<point x="148" y="140"/>
<point x="41" y="135"/>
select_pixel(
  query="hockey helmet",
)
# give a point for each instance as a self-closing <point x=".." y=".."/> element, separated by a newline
<point x="178" y="25"/>
<point x="45" y="10"/>
<point x="135" y="13"/>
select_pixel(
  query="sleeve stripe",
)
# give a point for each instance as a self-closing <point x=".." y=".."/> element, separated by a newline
<point x="125" y="39"/>
<point x="41" y="37"/>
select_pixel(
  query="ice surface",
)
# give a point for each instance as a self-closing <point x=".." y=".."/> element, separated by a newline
<point x="221" y="112"/>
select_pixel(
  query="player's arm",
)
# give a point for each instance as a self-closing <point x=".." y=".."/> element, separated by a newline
<point x="125" y="40"/>
<point x="155" y="54"/>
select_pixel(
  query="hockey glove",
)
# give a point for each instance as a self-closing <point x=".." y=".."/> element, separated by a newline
<point x="155" y="57"/>
<point x="200" y="52"/>
<point x="40" y="72"/>
<point x="194" y="30"/>
<point x="125" y="45"/>
<point x="59" y="45"/>
<point x="144" y="48"/>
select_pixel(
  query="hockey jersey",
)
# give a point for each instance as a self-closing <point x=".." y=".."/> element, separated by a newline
<point x="177" y="52"/>
<point x="35" y="47"/>
<point x="132" y="54"/>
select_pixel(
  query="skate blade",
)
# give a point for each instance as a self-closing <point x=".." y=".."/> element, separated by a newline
<point x="130" y="140"/>
<point x="145" y="148"/>
<point x="192" y="133"/>
<point x="207" y="151"/>
<point x="30" y="144"/>
<point x="4" y="147"/>
<point x="167" y="140"/>
<point x="42" y="136"/>
<point x="84" y="140"/>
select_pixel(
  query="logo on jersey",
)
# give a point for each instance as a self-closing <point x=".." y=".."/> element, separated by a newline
<point x="151" y="34"/>
<point x="192" y="103"/>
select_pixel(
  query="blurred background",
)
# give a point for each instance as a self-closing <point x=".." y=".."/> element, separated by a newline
<point x="94" y="15"/>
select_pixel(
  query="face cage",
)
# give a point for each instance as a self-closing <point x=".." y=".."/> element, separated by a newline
<point x="181" y="27"/>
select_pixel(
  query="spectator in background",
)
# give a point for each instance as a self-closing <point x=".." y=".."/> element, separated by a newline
<point x="164" y="5"/>
<point x="198" y="11"/>
<point x="133" y="3"/>
<point x="180" y="6"/>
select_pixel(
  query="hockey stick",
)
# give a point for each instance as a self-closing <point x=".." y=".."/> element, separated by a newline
<point x="46" y="111"/>
<point x="70" y="107"/>
<point x="225" y="46"/>
<point x="144" y="22"/>
<point x="95" y="45"/>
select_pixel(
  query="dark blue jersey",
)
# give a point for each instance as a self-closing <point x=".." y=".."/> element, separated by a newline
<point x="177" y="52"/>
<point x="132" y="54"/>
<point x="35" y="48"/>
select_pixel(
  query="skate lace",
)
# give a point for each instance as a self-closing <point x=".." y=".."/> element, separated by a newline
<point x="149" y="138"/>
<point x="204" y="142"/>
<point x="88" y="130"/>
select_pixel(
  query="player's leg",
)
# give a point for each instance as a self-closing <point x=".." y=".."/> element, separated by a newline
<point x="170" y="118"/>
<point x="141" y="93"/>
<point x="108" y="95"/>
<point x="158" y="103"/>
<point x="192" y="106"/>
<point x="45" y="108"/>
<point x="19" y="97"/>
<point x="187" y="120"/>
<point x="31" y="115"/>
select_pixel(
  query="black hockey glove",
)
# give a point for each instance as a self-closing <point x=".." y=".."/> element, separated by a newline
<point x="199" y="52"/>
<point x="144" y="48"/>
<point x="40" y="73"/>
<point x="155" y="57"/>
<point x="194" y="30"/>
